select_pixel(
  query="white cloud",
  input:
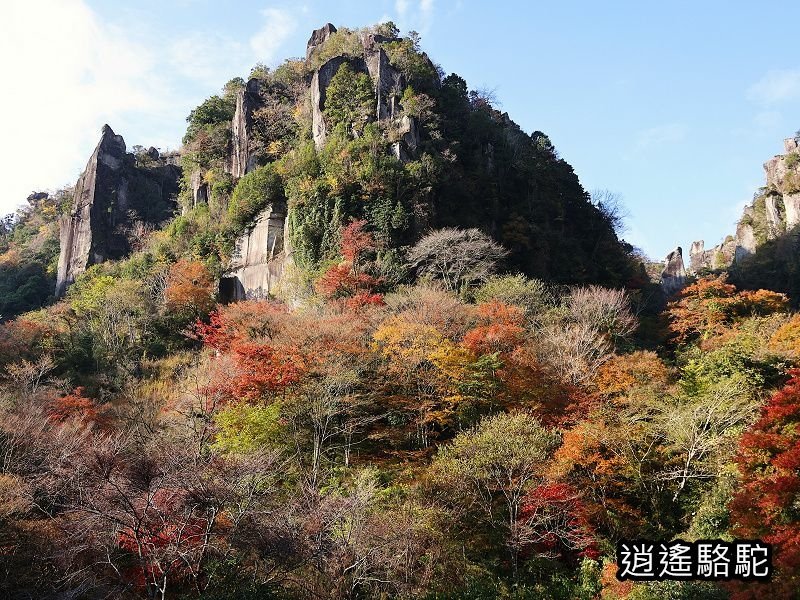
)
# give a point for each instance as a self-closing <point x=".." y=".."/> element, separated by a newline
<point x="776" y="86"/>
<point x="401" y="7"/>
<point x="419" y="16"/>
<point x="65" y="73"/>
<point x="663" y="134"/>
<point x="276" y="29"/>
<point x="208" y="58"/>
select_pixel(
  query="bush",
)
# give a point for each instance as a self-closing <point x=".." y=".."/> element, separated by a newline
<point x="533" y="295"/>
<point x="459" y="258"/>
<point x="254" y="192"/>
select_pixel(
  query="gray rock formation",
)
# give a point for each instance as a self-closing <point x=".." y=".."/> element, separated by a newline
<point x="259" y="259"/>
<point x="242" y="159"/>
<point x="673" y="277"/>
<point x="200" y="192"/>
<point x="719" y="257"/>
<point x="319" y="84"/>
<point x="388" y="81"/>
<point x="791" y="205"/>
<point x="110" y="194"/>
<point x="319" y="37"/>
<point x="775" y="211"/>
<point x="84" y="232"/>
<point x="698" y="257"/>
<point x="773" y="206"/>
<point x="745" y="235"/>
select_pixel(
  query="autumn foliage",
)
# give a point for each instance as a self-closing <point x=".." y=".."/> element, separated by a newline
<point x="261" y="368"/>
<point x="711" y="304"/>
<point x="76" y="405"/>
<point x="765" y="506"/>
<point x="189" y="289"/>
<point x="348" y="279"/>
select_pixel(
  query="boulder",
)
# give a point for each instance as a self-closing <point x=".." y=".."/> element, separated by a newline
<point x="673" y="277"/>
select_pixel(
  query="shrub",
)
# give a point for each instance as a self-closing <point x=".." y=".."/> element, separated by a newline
<point x="254" y="192"/>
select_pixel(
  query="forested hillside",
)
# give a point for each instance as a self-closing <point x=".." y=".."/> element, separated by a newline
<point x="444" y="375"/>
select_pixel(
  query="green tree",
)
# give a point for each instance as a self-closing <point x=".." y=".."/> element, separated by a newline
<point x="493" y="466"/>
<point x="253" y="193"/>
<point x="349" y="99"/>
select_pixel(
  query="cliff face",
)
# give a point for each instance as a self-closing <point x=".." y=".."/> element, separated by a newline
<point x="774" y="211"/>
<point x="259" y="259"/>
<point x="388" y="83"/>
<point x="111" y="193"/>
<point x="262" y="253"/>
<point x="242" y="158"/>
<point x="673" y="277"/>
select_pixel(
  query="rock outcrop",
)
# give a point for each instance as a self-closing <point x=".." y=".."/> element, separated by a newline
<point x="200" y="192"/>
<point x="745" y="235"/>
<point x="242" y="159"/>
<point x="791" y="206"/>
<point x="110" y="195"/>
<point x="319" y="37"/>
<point x="388" y="82"/>
<point x="259" y="259"/>
<point x="718" y="257"/>
<point x="774" y="211"/>
<point x="319" y="84"/>
<point x="673" y="277"/>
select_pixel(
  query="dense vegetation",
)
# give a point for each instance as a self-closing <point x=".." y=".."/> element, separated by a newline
<point x="473" y="167"/>
<point x="460" y="399"/>
<point x="29" y="255"/>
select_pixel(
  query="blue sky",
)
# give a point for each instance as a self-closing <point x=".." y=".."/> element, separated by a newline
<point x="673" y="105"/>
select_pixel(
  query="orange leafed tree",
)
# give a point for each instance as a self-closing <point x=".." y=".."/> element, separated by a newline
<point x="627" y="371"/>
<point x="708" y="307"/>
<point x="500" y="328"/>
<point x="347" y="279"/>
<point x="248" y="333"/>
<point x="76" y="406"/>
<point x="787" y="337"/>
<point x="189" y="289"/>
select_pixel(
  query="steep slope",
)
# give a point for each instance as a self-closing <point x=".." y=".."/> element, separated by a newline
<point x="775" y="211"/>
<point x="367" y="128"/>
<point x="364" y="128"/>
<point x="111" y="195"/>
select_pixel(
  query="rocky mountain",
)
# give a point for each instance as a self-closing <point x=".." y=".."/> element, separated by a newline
<point x="365" y="127"/>
<point x="774" y="212"/>
<point x="113" y="194"/>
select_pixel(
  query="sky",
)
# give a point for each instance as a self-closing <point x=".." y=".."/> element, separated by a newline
<point x="674" y="106"/>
